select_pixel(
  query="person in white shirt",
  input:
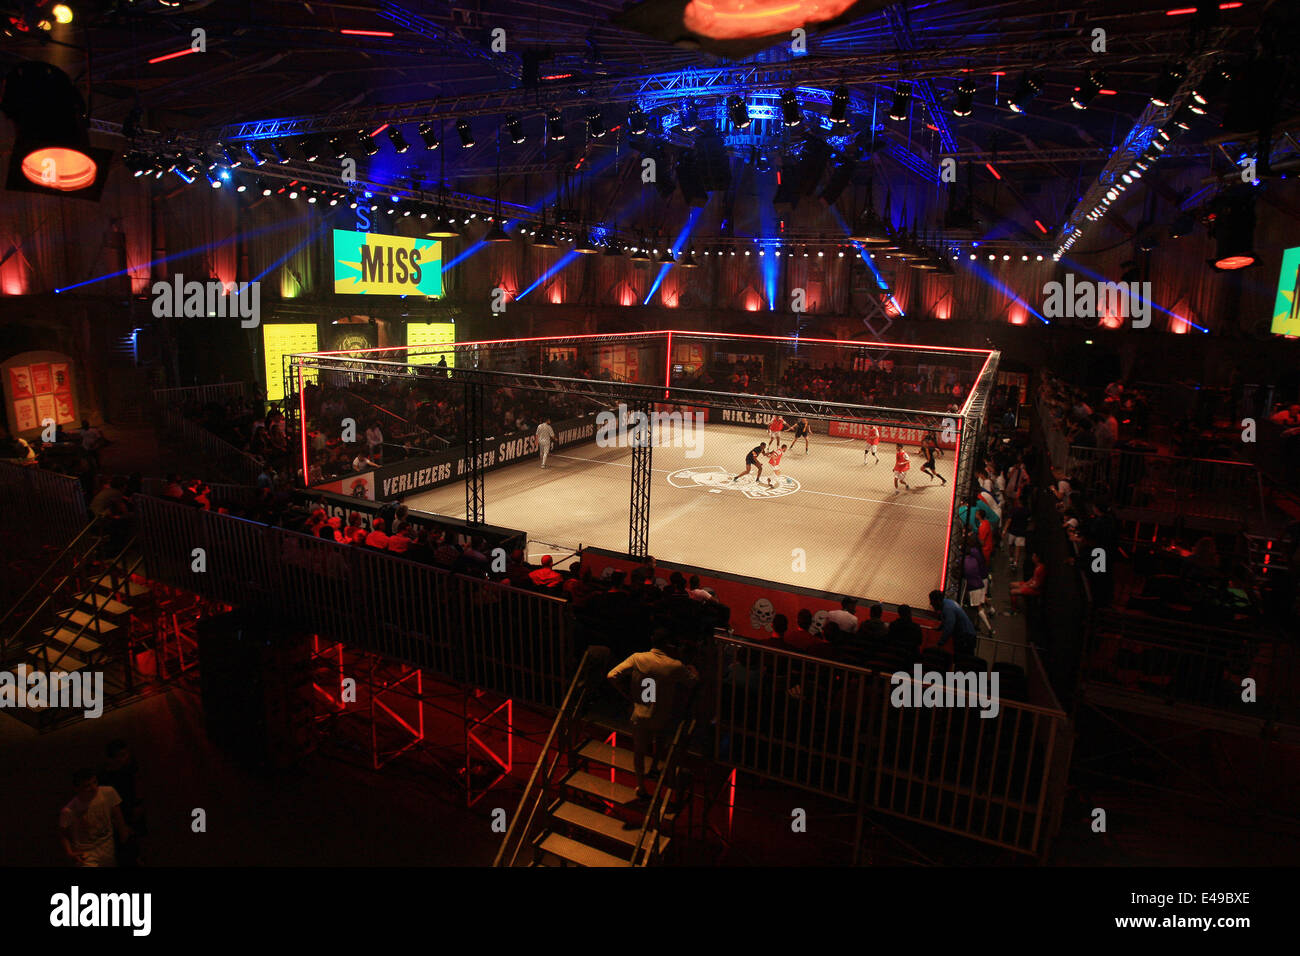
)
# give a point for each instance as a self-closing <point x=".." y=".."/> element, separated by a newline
<point x="545" y="439"/>
<point x="89" y="822"/>
<point x="845" y="618"/>
<point x="362" y="463"/>
<point x="374" y="439"/>
<point x="656" y="669"/>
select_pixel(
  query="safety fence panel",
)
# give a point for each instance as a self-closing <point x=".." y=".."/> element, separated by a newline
<point x="993" y="770"/>
<point x="47" y="504"/>
<point x="502" y="639"/>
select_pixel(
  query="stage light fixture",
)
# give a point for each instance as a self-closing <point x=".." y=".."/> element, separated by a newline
<point x="429" y="134"/>
<point x="400" y="145"/>
<point x="337" y="146"/>
<point x="901" y="104"/>
<point x="738" y="112"/>
<point x="368" y="144"/>
<point x="666" y="258"/>
<point x="515" y="127"/>
<point x="555" y="125"/>
<point x="309" y="148"/>
<point x="637" y="122"/>
<point x="1168" y="84"/>
<point x="280" y="151"/>
<point x="1234" y="229"/>
<point x="595" y="124"/>
<point x="839" y="106"/>
<point x="545" y="238"/>
<point x="690" y="119"/>
<point x="790" y="114"/>
<point x="1088" y="89"/>
<point x="465" y="132"/>
<point x="584" y="246"/>
<point x="965" y="98"/>
<point x="1026" y="90"/>
<point x="51" y="146"/>
<point x="253" y="154"/>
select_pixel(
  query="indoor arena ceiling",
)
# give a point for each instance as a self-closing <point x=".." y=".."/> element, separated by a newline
<point x="1031" y="98"/>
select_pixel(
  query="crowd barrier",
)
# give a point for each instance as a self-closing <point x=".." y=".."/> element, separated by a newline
<point x="223" y="454"/>
<point x="45" y="504"/>
<point x="222" y="392"/>
<point x="832" y="728"/>
<point x="512" y="642"/>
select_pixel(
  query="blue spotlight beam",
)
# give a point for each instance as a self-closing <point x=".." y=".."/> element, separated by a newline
<point x="1071" y="264"/>
<point x="881" y="284"/>
<point x="677" y="248"/>
<point x="178" y="255"/>
<point x="992" y="280"/>
<point x="563" y="262"/>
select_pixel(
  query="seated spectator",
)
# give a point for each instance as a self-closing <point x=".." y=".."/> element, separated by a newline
<point x="172" y="487"/>
<point x="904" y="630"/>
<point x="377" y="538"/>
<point x="1032" y="587"/>
<point x="845" y="618"/>
<point x="698" y="593"/>
<point x="874" y="629"/>
<point x="399" y="542"/>
<point x="445" y="553"/>
<point x="802" y="639"/>
<point x="546" y="576"/>
<point x="102" y="503"/>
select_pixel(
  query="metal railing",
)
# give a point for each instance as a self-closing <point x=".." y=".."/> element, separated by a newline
<point x="559" y="743"/>
<point x="220" y="392"/>
<point x="1205" y="666"/>
<point x="236" y="497"/>
<point x="833" y="729"/>
<point x="1164" y="485"/>
<point x="512" y="642"/>
<point x="212" y="446"/>
<point x="61" y="514"/>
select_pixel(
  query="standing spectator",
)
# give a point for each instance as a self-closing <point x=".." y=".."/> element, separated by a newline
<point x="92" y="440"/>
<point x="956" y="626"/>
<point x="375" y="439"/>
<point x="664" y="673"/>
<point x="976" y="572"/>
<point x="119" y="774"/>
<point x="545" y="438"/>
<point x="1017" y="531"/>
<point x="90" y="820"/>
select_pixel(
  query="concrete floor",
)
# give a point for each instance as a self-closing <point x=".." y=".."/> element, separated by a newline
<point x="858" y="536"/>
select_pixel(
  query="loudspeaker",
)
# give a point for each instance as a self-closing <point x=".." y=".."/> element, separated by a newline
<point x="839" y="181"/>
<point x="692" y="184"/>
<point x="815" y="156"/>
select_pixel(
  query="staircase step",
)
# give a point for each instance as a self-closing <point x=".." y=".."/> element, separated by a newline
<point x="106" y="604"/>
<point x="66" y="637"/>
<point x="609" y="756"/>
<point x="69" y="663"/>
<point x="78" y="618"/>
<point x="130" y="589"/>
<point x="575" y="852"/>
<point x="597" y="822"/>
<point x="599" y="787"/>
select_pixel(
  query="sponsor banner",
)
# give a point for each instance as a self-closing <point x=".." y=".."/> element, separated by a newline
<point x="340" y="506"/>
<point x="429" y="471"/>
<point x="373" y="264"/>
<point x="888" y="433"/>
<point x="361" y="485"/>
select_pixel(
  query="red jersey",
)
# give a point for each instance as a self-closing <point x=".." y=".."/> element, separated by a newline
<point x="901" y="461"/>
<point x="873" y="435"/>
<point x="774" y="459"/>
<point x="778" y="424"/>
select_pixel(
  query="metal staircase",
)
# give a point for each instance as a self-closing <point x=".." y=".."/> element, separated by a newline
<point x="575" y="810"/>
<point x="93" y="604"/>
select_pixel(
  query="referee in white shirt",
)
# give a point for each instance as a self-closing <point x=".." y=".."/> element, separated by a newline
<point x="545" y="439"/>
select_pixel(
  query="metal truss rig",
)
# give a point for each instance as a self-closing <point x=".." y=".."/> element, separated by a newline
<point x="651" y="89"/>
<point x="637" y="395"/>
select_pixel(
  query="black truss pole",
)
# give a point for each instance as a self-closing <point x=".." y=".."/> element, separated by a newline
<point x="473" y="451"/>
<point x="639" y="514"/>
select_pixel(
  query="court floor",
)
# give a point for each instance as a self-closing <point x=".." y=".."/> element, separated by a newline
<point x="830" y="521"/>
